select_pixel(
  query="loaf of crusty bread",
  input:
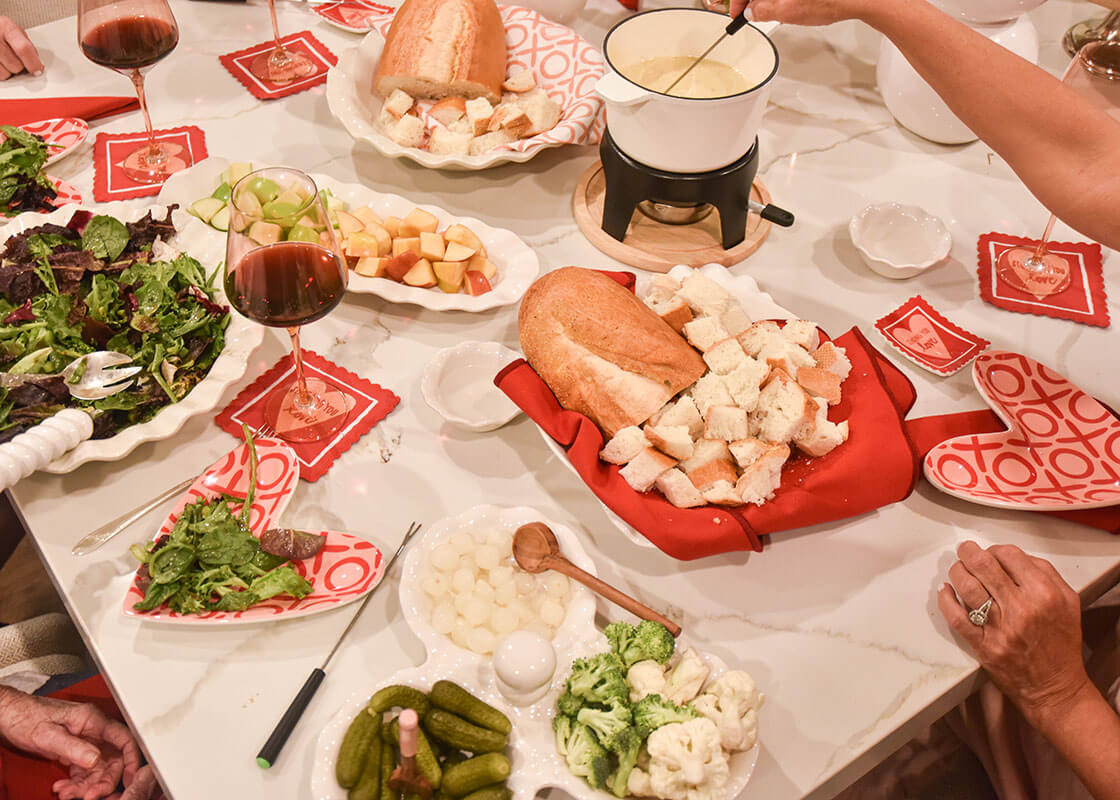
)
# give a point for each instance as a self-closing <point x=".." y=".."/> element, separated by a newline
<point x="601" y="350"/>
<point x="437" y="48"/>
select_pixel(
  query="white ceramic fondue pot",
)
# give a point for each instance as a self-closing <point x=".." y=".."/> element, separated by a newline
<point x="681" y="134"/>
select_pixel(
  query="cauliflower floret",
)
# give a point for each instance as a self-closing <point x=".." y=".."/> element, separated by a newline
<point x="687" y="762"/>
<point x="638" y="784"/>
<point x="645" y="677"/>
<point x="684" y="682"/>
<point x="732" y="702"/>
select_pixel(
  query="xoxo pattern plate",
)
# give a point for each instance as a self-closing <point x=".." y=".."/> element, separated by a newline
<point x="1061" y="450"/>
<point x="62" y="135"/>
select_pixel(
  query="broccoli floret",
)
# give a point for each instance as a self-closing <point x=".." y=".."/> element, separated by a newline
<point x="626" y="747"/>
<point x="585" y="757"/>
<point x="569" y="704"/>
<point x="599" y="679"/>
<point x="607" y="723"/>
<point x="652" y="711"/>
<point x="648" y="641"/>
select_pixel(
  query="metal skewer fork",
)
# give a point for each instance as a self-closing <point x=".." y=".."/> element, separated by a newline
<point x="97" y="381"/>
<point x="733" y="27"/>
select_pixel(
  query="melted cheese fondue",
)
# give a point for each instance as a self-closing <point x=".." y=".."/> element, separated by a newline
<point x="709" y="78"/>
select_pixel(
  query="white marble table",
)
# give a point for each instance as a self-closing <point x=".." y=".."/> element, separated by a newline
<point x="838" y="625"/>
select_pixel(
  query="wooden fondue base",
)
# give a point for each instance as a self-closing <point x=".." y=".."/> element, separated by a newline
<point x="659" y="247"/>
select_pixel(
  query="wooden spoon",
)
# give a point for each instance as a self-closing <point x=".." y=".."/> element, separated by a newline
<point x="406" y="778"/>
<point x="535" y="549"/>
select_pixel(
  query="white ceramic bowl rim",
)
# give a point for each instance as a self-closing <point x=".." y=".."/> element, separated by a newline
<point x="632" y="17"/>
<point x="895" y="209"/>
<point x="433" y="377"/>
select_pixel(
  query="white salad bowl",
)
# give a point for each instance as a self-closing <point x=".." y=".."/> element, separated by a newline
<point x="458" y="384"/>
<point x="899" y="241"/>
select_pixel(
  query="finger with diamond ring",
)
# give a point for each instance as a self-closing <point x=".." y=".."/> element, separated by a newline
<point x="979" y="616"/>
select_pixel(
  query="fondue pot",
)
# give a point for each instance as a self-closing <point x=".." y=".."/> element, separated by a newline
<point x="680" y="134"/>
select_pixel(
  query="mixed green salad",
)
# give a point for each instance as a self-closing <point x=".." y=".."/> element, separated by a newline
<point x="102" y="284"/>
<point x="210" y="561"/>
<point x="23" y="186"/>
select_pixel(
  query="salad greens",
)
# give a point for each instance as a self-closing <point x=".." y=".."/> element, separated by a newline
<point x="23" y="186"/>
<point x="210" y="561"/>
<point x="101" y="284"/>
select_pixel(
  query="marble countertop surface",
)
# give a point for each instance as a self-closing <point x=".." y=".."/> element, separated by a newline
<point x="837" y="624"/>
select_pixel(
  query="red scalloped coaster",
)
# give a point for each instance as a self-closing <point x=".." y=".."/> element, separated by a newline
<point x="367" y="404"/>
<point x="111" y="149"/>
<point x="1082" y="301"/>
<point x="927" y="338"/>
<point x="303" y="42"/>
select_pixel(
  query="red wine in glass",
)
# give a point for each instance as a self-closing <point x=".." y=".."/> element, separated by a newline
<point x="131" y="36"/>
<point x="286" y="284"/>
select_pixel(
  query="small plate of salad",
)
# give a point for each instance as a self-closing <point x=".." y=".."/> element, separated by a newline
<point x="23" y="184"/>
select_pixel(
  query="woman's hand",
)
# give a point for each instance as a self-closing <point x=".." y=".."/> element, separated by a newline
<point x="800" y="12"/>
<point x="17" y="54"/>
<point x="1031" y="643"/>
<point x="97" y="750"/>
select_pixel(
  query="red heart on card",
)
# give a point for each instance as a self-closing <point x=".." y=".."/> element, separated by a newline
<point x="921" y="337"/>
<point x="1061" y="450"/>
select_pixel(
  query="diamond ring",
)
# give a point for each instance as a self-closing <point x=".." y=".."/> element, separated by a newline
<point x="979" y="616"/>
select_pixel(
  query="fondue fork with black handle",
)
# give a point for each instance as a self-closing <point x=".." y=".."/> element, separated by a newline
<point x="733" y="27"/>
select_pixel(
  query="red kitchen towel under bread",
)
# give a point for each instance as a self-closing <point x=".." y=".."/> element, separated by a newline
<point x="17" y="112"/>
<point x="814" y="491"/>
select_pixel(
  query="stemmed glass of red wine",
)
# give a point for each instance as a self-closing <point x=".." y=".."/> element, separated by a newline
<point x="280" y="65"/>
<point x="284" y="269"/>
<point x="130" y="36"/>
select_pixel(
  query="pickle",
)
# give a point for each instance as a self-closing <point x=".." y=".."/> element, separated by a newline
<point x="426" y="760"/>
<point x="361" y="737"/>
<point x="388" y="764"/>
<point x="398" y="696"/>
<point x="457" y="732"/>
<point x="454" y="698"/>
<point x="474" y="773"/>
<point x="368" y="786"/>
<point x="495" y="791"/>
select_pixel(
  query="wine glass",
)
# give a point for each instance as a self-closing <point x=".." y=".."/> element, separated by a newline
<point x="130" y="36"/>
<point x="284" y="269"/>
<point x="280" y="65"/>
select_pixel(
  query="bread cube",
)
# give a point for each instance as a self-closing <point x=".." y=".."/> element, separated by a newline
<point x="734" y="319"/>
<point x="704" y="295"/>
<point x="663" y="288"/>
<point x="705" y="451"/>
<point x="781" y="353"/>
<point x="714" y="471"/>
<point x="725" y="357"/>
<point x="747" y="451"/>
<point x="727" y="423"/>
<point x="757" y="335"/>
<point x="710" y="391"/>
<point x="444" y="141"/>
<point x="398" y="103"/>
<point x="408" y="131"/>
<point x="784" y="408"/>
<point x="820" y="383"/>
<point x="645" y="468"/>
<point x="802" y="333"/>
<point x="521" y="81"/>
<point x="704" y="333"/>
<point x="511" y="118"/>
<point x="745" y="382"/>
<point x="624" y="445"/>
<point x="675" y="312"/>
<point x="723" y="493"/>
<point x="763" y="477"/>
<point x="834" y="359"/>
<point x="681" y="412"/>
<point x="821" y="436"/>
<point x="487" y="142"/>
<point x="672" y="440"/>
<point x="448" y="111"/>
<point x="479" y="112"/>
<point x="542" y="110"/>
<point x="678" y="489"/>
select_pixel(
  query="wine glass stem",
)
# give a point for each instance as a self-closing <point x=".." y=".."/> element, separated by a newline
<point x="303" y="396"/>
<point x="1040" y="251"/>
<point x="275" y="26"/>
<point x="138" y="82"/>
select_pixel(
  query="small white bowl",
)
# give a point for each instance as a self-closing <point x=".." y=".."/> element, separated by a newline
<point x="459" y="385"/>
<point x="899" y="241"/>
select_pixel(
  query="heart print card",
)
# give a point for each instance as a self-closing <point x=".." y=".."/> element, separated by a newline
<point x="928" y="339"/>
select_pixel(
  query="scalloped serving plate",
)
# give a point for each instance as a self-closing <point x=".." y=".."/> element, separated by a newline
<point x="62" y="135"/>
<point x="517" y="264"/>
<point x="345" y="569"/>
<point x="242" y="337"/>
<point x="1061" y="451"/>
<point x="532" y="748"/>
<point x="533" y="42"/>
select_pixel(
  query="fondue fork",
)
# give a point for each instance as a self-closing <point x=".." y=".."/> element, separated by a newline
<point x="732" y="28"/>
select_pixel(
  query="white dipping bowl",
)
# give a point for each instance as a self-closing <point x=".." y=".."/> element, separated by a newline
<point x="899" y="241"/>
<point x="459" y="385"/>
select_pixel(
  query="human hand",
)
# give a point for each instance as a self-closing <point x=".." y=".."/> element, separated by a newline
<point x="97" y="750"/>
<point x="1031" y="643"/>
<point x="799" y="12"/>
<point x="16" y="51"/>
<point x="143" y="787"/>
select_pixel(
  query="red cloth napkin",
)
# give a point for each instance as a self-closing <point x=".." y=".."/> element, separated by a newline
<point x="19" y="111"/>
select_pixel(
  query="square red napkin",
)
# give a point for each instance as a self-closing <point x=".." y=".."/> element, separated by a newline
<point x="916" y="330"/>
<point x="367" y="403"/>
<point x="1082" y="301"/>
<point x="111" y="149"/>
<point x="18" y="111"/>
<point x="303" y="42"/>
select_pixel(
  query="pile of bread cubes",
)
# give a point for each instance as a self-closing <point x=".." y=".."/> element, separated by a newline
<point x="456" y="126"/>
<point x="724" y="439"/>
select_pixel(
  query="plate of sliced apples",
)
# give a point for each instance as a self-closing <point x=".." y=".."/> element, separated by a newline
<point x="396" y="249"/>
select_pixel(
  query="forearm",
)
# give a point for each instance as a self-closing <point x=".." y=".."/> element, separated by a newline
<point x="1086" y="731"/>
<point x="1065" y="149"/>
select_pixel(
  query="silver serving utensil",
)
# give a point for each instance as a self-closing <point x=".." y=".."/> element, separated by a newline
<point x="103" y="375"/>
<point x="733" y="27"/>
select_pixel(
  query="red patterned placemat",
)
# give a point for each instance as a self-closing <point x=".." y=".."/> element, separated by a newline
<point x="367" y="403"/>
<point x="1082" y="301"/>
<point x="927" y="338"/>
<point x="110" y="150"/>
<point x="303" y="42"/>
